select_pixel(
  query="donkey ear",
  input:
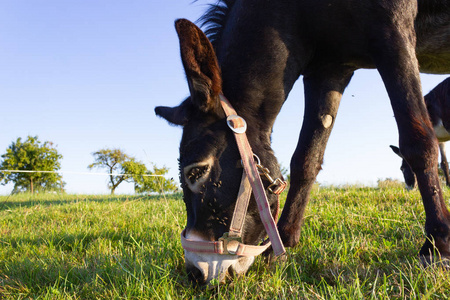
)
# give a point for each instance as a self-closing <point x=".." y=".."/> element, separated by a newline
<point x="175" y="115"/>
<point x="396" y="150"/>
<point x="200" y="65"/>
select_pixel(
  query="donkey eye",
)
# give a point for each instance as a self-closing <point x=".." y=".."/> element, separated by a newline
<point x="195" y="173"/>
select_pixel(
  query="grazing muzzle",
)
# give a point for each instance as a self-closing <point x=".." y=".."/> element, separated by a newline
<point x="206" y="260"/>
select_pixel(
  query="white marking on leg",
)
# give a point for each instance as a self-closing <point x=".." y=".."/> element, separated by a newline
<point x="327" y="120"/>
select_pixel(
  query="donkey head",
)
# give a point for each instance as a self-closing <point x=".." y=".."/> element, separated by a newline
<point x="209" y="162"/>
<point x="408" y="174"/>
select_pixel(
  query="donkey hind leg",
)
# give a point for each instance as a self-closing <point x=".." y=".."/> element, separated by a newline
<point x="323" y="92"/>
<point x="444" y="163"/>
<point x="397" y="64"/>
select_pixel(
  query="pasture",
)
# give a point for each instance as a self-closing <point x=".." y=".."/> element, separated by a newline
<point x="356" y="243"/>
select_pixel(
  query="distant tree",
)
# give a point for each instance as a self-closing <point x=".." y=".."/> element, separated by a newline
<point x="112" y="160"/>
<point x="131" y="170"/>
<point x="31" y="155"/>
<point x="154" y="181"/>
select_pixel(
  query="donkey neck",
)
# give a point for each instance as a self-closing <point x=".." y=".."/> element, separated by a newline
<point x="257" y="65"/>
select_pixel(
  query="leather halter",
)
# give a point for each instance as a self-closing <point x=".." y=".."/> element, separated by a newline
<point x="230" y="242"/>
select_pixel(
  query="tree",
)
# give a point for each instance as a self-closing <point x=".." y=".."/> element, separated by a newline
<point x="31" y="155"/>
<point x="154" y="181"/>
<point x="112" y="160"/>
<point x="130" y="170"/>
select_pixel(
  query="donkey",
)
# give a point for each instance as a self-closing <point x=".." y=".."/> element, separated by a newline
<point x="253" y="52"/>
<point x="438" y="106"/>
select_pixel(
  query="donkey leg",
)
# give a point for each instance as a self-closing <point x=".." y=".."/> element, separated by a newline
<point x="396" y="61"/>
<point x="444" y="163"/>
<point x="323" y="92"/>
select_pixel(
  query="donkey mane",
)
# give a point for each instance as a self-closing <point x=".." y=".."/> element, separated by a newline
<point x="215" y="18"/>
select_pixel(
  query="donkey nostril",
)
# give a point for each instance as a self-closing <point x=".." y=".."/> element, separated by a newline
<point x="195" y="275"/>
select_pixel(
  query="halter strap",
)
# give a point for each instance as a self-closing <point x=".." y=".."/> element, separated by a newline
<point x="222" y="246"/>
<point x="238" y="126"/>
<point x="240" y="210"/>
<point x="230" y="242"/>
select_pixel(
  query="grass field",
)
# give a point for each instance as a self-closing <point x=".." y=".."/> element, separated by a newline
<point x="356" y="243"/>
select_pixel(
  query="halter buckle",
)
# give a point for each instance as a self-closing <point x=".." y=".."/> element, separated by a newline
<point x="230" y="243"/>
<point x="277" y="186"/>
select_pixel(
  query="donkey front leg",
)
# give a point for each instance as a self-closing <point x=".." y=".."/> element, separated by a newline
<point x="323" y="92"/>
<point x="444" y="164"/>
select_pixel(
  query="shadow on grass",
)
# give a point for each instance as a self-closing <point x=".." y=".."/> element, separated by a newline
<point x="73" y="263"/>
<point x="12" y="202"/>
<point x="97" y="278"/>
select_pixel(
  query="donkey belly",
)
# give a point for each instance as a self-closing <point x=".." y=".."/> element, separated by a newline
<point x="441" y="132"/>
<point x="433" y="37"/>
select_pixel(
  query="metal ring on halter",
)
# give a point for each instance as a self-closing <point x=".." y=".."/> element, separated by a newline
<point x="256" y="158"/>
<point x="237" y="124"/>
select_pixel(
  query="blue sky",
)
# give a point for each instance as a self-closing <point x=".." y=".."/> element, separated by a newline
<point x="87" y="75"/>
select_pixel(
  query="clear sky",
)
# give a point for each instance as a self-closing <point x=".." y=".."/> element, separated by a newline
<point x="87" y="75"/>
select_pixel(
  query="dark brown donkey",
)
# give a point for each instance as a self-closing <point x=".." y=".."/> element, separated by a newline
<point x="259" y="49"/>
<point x="438" y="106"/>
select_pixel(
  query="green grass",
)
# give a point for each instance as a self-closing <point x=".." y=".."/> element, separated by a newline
<point x="356" y="243"/>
